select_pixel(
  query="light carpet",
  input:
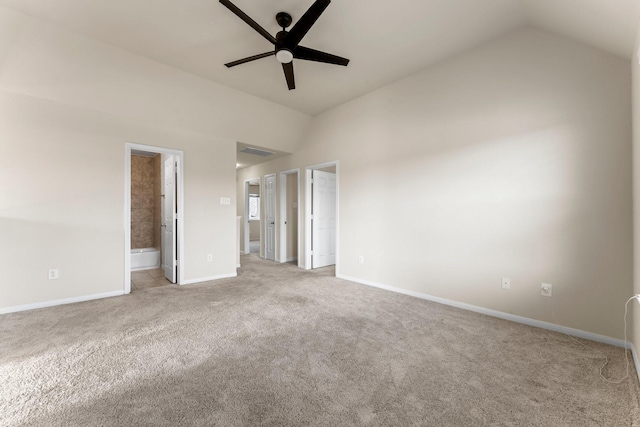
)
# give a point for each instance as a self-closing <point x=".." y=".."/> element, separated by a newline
<point x="279" y="346"/>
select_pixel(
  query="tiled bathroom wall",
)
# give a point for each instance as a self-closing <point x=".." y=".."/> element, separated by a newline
<point x="145" y="201"/>
<point x="157" y="196"/>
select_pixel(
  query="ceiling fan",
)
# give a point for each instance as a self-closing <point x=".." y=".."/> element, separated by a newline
<point x="287" y="43"/>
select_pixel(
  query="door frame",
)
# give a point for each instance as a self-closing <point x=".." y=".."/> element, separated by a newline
<point x="283" y="214"/>
<point x="247" y="225"/>
<point x="169" y="196"/>
<point x="263" y="194"/>
<point x="307" y="212"/>
<point x="128" y="147"/>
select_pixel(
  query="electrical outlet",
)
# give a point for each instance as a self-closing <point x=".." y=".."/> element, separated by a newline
<point x="361" y="259"/>
<point x="54" y="273"/>
<point x="209" y="257"/>
<point x="546" y="289"/>
<point x="506" y="283"/>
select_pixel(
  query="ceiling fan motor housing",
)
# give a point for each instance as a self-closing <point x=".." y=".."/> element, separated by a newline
<point x="284" y="53"/>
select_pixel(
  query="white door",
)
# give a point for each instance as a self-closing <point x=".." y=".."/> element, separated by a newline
<point x="246" y="222"/>
<point x="270" y="217"/>
<point x="323" y="238"/>
<point x="169" y="252"/>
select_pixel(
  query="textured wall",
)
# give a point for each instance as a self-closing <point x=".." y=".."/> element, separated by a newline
<point x="157" y="196"/>
<point x="145" y="202"/>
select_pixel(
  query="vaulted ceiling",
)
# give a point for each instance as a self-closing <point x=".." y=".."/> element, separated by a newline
<point x="385" y="40"/>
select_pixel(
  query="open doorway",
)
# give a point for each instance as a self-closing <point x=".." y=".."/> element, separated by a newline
<point x="269" y="197"/>
<point x="252" y="217"/>
<point x="321" y="215"/>
<point x="153" y="217"/>
<point x="289" y="192"/>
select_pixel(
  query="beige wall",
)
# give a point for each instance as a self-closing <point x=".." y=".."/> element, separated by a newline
<point x="254" y="226"/>
<point x="65" y="210"/>
<point x="68" y="106"/>
<point x="635" y="67"/>
<point x="330" y="169"/>
<point x="511" y="160"/>
<point x="42" y="60"/>
<point x="254" y="230"/>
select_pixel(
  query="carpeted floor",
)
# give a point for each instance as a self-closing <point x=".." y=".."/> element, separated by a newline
<point x="279" y="346"/>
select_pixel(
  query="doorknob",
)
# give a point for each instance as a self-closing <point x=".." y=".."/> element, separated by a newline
<point x="163" y="225"/>
<point x="272" y="223"/>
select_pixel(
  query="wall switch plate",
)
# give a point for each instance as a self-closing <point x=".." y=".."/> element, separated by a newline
<point x="361" y="259"/>
<point x="506" y="283"/>
<point x="54" y="273"/>
<point x="225" y="200"/>
<point x="546" y="289"/>
<point x="209" y="257"/>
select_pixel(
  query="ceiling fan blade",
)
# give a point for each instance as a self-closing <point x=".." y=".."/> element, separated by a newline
<point x="305" y="23"/>
<point x="288" y="73"/>
<point x="302" y="52"/>
<point x="253" y="24"/>
<point x="249" y="59"/>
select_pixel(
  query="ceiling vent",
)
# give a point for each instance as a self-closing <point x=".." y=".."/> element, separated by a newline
<point x="256" y="152"/>
<point x="143" y="153"/>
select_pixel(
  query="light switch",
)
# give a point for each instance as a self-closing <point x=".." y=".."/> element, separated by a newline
<point x="225" y="200"/>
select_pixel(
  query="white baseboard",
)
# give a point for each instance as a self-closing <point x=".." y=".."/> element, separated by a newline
<point x="53" y="303"/>
<point x="499" y="314"/>
<point x="209" y="279"/>
<point x="153" y="267"/>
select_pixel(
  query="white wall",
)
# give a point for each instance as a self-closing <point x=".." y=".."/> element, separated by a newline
<point x="511" y="160"/>
<point x="68" y="105"/>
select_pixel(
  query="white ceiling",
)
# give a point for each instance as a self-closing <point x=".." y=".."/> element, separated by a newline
<point x="385" y="40"/>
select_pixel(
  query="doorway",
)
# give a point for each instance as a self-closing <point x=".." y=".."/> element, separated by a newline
<point x="321" y="215"/>
<point x="289" y="192"/>
<point x="156" y="212"/>
<point x="252" y="217"/>
<point x="270" y="217"/>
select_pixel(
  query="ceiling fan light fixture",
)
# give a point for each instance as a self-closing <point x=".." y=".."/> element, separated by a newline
<point x="284" y="56"/>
